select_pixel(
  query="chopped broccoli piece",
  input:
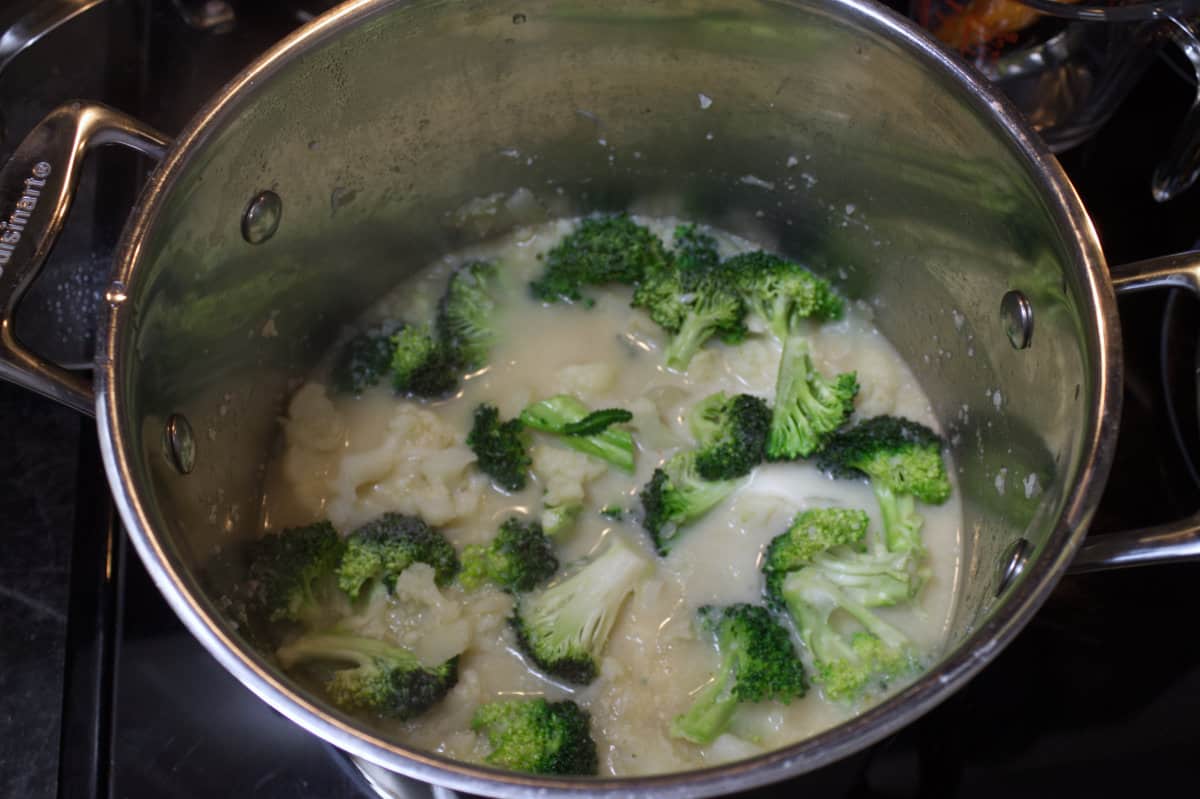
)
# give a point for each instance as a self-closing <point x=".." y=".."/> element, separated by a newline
<point x="465" y="319"/>
<point x="500" y="448"/>
<point x="781" y="292"/>
<point x="597" y="422"/>
<point x="421" y="366"/>
<point x="381" y="549"/>
<point x="901" y="455"/>
<point x="563" y="628"/>
<point x="808" y="407"/>
<point x="677" y="495"/>
<point x="692" y="250"/>
<point x="812" y="532"/>
<point x="363" y="361"/>
<point x="517" y="559"/>
<point x="557" y="414"/>
<point x="758" y="663"/>
<point x="602" y="250"/>
<point x="385" y="680"/>
<point x="289" y="571"/>
<point x="557" y="519"/>
<point x="614" y="512"/>
<point x="847" y="665"/>
<point x="537" y="736"/>
<point x="732" y="433"/>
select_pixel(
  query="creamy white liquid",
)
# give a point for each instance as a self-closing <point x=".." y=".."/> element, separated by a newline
<point x="350" y="459"/>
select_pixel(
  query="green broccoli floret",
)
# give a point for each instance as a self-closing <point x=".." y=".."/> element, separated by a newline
<point x="381" y="549"/>
<point x="903" y="460"/>
<point x="692" y="250"/>
<point x="732" y="434"/>
<point x="835" y="541"/>
<point x="363" y="361"/>
<point x="517" y="559"/>
<point x="500" y="448"/>
<point x="537" y="736"/>
<point x="563" y="628"/>
<point x="466" y="314"/>
<point x="291" y="571"/>
<point x="811" y="533"/>
<point x="781" y="292"/>
<point x="384" y="679"/>
<point x="421" y="365"/>
<point x="602" y="250"/>
<point x="808" y="407"/>
<point x="847" y="664"/>
<point x="589" y="432"/>
<point x="677" y="495"/>
<point x="758" y="663"/>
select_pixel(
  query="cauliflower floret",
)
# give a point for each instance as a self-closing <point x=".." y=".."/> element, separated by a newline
<point x="315" y="434"/>
<point x="587" y="380"/>
<point x="420" y="467"/>
<point x="564" y="473"/>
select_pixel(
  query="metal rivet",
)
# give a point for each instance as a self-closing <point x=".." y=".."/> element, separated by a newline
<point x="179" y="443"/>
<point x="1017" y="314"/>
<point x="261" y="219"/>
<point x="1013" y="563"/>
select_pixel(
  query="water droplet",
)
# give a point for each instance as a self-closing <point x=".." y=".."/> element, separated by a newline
<point x="705" y="101"/>
<point x="518" y="19"/>
<point x="262" y="217"/>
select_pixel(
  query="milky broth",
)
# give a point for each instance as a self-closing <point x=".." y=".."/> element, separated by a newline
<point x="350" y="459"/>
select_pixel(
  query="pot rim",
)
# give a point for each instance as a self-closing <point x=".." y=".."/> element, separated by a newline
<point x="1027" y="594"/>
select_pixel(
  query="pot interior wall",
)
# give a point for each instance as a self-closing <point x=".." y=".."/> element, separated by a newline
<point x="432" y="125"/>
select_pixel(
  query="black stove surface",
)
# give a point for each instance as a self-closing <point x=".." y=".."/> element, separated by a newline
<point x="104" y="694"/>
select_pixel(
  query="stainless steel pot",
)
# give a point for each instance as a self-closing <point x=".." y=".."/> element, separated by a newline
<point x="356" y="150"/>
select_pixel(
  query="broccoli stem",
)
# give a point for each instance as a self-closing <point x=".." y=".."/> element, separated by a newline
<point x="711" y="710"/>
<point x="901" y="522"/>
<point x="684" y="345"/>
<point x="343" y="649"/>
<point x="554" y="414"/>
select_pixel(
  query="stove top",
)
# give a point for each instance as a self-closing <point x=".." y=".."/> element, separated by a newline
<point x="104" y="694"/>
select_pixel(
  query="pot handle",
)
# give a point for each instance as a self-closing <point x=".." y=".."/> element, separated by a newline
<point x="1175" y="541"/>
<point x="36" y="188"/>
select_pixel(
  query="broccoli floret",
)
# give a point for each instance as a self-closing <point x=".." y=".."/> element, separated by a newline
<point x="732" y="434"/>
<point x="808" y="407"/>
<point x="289" y="571"/>
<point x="557" y="519"/>
<point x="677" y="495"/>
<point x="563" y="628"/>
<point x="421" y="365"/>
<point x="781" y="292"/>
<point x="847" y="664"/>
<point x="363" y="361"/>
<point x="465" y="318"/>
<point x="758" y="663"/>
<point x="903" y="460"/>
<point x="384" y="679"/>
<point x="692" y="250"/>
<point x="381" y="549"/>
<point x="537" y="736"/>
<point x="500" y="448"/>
<point x="602" y="250"/>
<point x="589" y="432"/>
<point x="812" y="532"/>
<point x="517" y="559"/>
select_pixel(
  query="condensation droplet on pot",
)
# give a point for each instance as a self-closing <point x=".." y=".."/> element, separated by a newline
<point x="262" y="216"/>
<point x="180" y="443"/>
<point x="1013" y="563"/>
<point x="705" y="101"/>
<point x="519" y="19"/>
<point x="792" y="161"/>
<point x="1017" y="314"/>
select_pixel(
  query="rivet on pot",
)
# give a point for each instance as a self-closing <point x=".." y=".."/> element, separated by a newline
<point x="1013" y="563"/>
<point x="1017" y="314"/>
<point x="261" y="218"/>
<point x="179" y="443"/>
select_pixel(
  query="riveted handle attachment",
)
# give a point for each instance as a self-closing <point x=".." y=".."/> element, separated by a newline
<point x="36" y="188"/>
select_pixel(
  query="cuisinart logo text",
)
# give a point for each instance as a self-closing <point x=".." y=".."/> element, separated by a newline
<point x="12" y="228"/>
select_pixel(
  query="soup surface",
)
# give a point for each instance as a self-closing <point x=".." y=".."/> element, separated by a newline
<point x="351" y="458"/>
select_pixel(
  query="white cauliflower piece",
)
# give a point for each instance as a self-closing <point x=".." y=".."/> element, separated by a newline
<point x="420" y="467"/>
<point x="564" y="473"/>
<point x="587" y="380"/>
<point x="315" y="434"/>
<point x="424" y="619"/>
